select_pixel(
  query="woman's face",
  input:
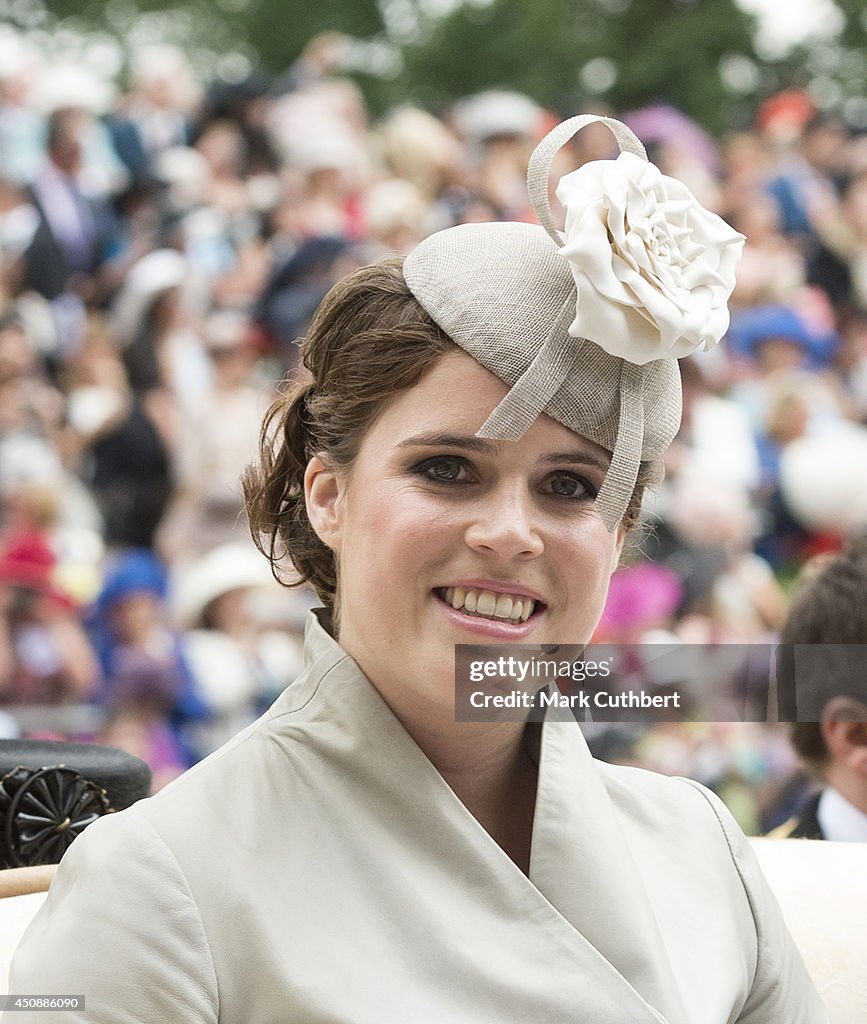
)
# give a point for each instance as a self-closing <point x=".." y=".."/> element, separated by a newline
<point x="431" y="517"/>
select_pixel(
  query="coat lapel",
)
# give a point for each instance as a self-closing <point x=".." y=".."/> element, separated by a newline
<point x="582" y="865"/>
<point x="574" y="942"/>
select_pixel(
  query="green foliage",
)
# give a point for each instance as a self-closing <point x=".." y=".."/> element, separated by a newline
<point x="278" y="31"/>
<point x="661" y="50"/>
<point x="273" y="30"/>
<point x="854" y="32"/>
<point x="658" y="49"/>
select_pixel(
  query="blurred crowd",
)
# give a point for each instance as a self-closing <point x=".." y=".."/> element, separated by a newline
<point x="163" y="246"/>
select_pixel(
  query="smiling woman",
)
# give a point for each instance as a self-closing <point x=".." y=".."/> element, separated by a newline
<point x="460" y="467"/>
<point x="355" y="374"/>
<point x="427" y="508"/>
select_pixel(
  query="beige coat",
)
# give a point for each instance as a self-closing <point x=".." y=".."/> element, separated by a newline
<point x="318" y="870"/>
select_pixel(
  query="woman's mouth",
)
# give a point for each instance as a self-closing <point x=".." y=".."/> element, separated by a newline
<point x="485" y="604"/>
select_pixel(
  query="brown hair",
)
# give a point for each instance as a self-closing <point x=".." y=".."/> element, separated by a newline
<point x="828" y="609"/>
<point x="369" y="340"/>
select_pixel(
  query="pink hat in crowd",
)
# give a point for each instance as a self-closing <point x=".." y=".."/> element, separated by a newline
<point x="27" y="561"/>
<point x="639" y="598"/>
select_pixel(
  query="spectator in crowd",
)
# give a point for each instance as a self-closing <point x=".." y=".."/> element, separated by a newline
<point x="243" y="647"/>
<point x="138" y="711"/>
<point x="772" y="270"/>
<point x="156" y="114"/>
<point x="821" y="675"/>
<point x="132" y="459"/>
<point x="840" y="263"/>
<point x="45" y="657"/>
<point x="805" y="185"/>
<point x="214" y="448"/>
<point x="500" y="129"/>
<point x="74" y="230"/>
<point x="142" y="657"/>
<point x="21" y="127"/>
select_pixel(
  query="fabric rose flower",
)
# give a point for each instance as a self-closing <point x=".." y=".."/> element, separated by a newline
<point x="654" y="268"/>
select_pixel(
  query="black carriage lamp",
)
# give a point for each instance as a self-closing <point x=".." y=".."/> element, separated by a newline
<point x="51" y="791"/>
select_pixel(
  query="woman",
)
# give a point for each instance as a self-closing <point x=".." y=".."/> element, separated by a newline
<point x="357" y="854"/>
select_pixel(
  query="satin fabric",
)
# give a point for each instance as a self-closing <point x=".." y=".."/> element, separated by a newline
<point x="317" y="869"/>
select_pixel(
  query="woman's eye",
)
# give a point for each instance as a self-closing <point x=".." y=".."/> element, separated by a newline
<point x="442" y="469"/>
<point x="568" y="485"/>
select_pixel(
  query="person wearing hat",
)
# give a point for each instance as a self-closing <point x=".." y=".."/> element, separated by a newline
<point x="242" y="637"/>
<point x="133" y="457"/>
<point x="45" y="656"/>
<point x="460" y="467"/>
<point x="146" y="671"/>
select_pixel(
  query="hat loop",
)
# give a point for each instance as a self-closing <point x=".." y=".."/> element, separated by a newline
<point x="539" y="170"/>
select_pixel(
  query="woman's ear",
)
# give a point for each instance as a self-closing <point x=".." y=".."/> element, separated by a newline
<point x="323" y="494"/>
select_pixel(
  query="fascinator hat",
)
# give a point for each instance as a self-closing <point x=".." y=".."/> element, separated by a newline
<point x="587" y="325"/>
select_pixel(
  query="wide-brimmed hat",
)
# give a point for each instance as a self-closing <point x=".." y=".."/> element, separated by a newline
<point x="67" y="85"/>
<point x="134" y="571"/>
<point x="498" y="112"/>
<point x="587" y="325"/>
<point x="820" y="481"/>
<point x="153" y="275"/>
<point x="751" y="327"/>
<point x="233" y="566"/>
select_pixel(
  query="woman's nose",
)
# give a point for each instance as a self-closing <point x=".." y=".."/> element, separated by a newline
<point x="506" y="526"/>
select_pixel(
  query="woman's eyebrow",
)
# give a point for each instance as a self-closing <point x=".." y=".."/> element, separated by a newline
<point x="588" y="458"/>
<point x="484" y="446"/>
<point x="440" y="440"/>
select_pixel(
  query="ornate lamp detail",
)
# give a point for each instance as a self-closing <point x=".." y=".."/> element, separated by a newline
<point x="43" y="810"/>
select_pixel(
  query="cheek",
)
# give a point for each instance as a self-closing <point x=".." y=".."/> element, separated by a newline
<point x="592" y="556"/>
<point x="592" y="547"/>
<point x="391" y="536"/>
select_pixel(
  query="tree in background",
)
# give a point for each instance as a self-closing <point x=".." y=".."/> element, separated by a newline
<point x="699" y="55"/>
<point x="833" y="70"/>
<point x="564" y="53"/>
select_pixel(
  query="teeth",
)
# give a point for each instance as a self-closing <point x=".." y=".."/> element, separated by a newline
<point x="490" y="605"/>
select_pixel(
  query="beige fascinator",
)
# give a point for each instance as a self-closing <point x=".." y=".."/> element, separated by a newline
<point x="587" y="325"/>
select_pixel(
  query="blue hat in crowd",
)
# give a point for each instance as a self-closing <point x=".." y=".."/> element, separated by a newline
<point x="751" y="327"/>
<point x="133" y="572"/>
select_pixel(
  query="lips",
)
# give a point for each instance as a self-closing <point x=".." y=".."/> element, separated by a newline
<point x="497" y="606"/>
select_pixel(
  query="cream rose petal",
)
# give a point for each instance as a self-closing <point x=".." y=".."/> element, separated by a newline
<point x="654" y="270"/>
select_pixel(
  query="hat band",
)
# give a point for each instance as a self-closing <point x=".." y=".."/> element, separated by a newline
<point x="616" y="491"/>
<point x="538" y="384"/>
